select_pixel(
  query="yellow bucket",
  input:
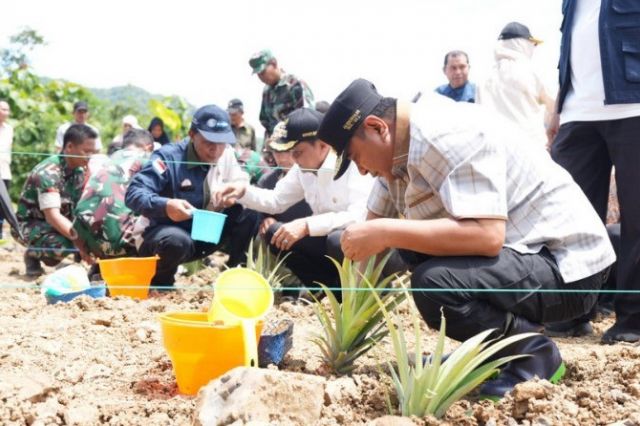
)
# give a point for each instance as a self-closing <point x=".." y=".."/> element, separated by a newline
<point x="199" y="350"/>
<point x="126" y="272"/>
<point x="242" y="296"/>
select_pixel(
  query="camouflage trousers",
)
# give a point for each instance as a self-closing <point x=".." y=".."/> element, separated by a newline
<point x="109" y="238"/>
<point x="43" y="242"/>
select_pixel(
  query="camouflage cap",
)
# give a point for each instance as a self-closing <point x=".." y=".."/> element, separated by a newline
<point x="260" y="60"/>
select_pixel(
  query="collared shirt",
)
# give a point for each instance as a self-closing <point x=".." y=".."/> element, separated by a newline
<point x="6" y="143"/>
<point x="334" y="203"/>
<point x="288" y="94"/>
<point x="245" y="136"/>
<point x="466" y="93"/>
<point x="51" y="184"/>
<point x="458" y="161"/>
<point x="62" y="129"/>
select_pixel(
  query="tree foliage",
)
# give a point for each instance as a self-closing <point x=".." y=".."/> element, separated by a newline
<point x="39" y="105"/>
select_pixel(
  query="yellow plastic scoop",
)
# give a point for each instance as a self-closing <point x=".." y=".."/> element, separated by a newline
<point x="242" y="296"/>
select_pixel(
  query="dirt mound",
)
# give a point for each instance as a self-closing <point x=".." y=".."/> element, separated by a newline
<point x="102" y="362"/>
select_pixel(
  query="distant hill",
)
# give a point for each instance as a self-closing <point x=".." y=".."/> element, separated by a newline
<point x="130" y="95"/>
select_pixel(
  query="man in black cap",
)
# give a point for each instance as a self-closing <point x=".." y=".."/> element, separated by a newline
<point x="334" y="203"/>
<point x="80" y="116"/>
<point x="481" y="211"/>
<point x="180" y="178"/>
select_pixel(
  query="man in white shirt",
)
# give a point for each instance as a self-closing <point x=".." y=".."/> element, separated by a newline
<point x="335" y="204"/>
<point x="598" y="126"/>
<point x="80" y="116"/>
<point x="6" y="142"/>
<point x="484" y="221"/>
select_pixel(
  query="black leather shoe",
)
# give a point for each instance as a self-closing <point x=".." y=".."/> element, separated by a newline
<point x="544" y="362"/>
<point x="620" y="333"/>
<point x="579" y="329"/>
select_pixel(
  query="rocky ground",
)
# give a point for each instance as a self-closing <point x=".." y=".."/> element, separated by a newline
<point x="102" y="362"/>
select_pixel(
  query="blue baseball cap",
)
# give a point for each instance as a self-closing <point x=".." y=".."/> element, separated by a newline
<point x="213" y="123"/>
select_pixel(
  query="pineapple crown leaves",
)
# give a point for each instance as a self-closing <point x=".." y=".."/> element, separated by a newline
<point x="263" y="261"/>
<point x="353" y="327"/>
<point x="431" y="388"/>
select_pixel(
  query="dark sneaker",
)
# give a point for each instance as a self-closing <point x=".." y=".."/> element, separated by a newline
<point x="32" y="266"/>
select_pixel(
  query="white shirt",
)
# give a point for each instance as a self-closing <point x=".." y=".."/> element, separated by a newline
<point x="6" y="142"/>
<point x="515" y="90"/>
<point x="226" y="170"/>
<point x="585" y="99"/>
<point x="334" y="203"/>
<point x="480" y="168"/>
<point x="64" y="127"/>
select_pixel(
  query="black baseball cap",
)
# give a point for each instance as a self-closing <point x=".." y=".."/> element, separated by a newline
<point x="212" y="122"/>
<point x="517" y="30"/>
<point x="300" y="125"/>
<point x="344" y="116"/>
<point x="235" y="105"/>
<point x="80" y="106"/>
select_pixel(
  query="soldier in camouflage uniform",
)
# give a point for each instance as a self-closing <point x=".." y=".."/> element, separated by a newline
<point x="245" y="147"/>
<point x="48" y="198"/>
<point x="102" y="220"/>
<point x="282" y="92"/>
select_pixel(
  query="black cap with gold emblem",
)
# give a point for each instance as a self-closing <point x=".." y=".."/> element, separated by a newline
<point x="300" y="125"/>
<point x="346" y="113"/>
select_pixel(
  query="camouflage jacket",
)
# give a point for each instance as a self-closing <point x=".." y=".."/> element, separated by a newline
<point x="48" y="177"/>
<point x="103" y="220"/>
<point x="287" y="95"/>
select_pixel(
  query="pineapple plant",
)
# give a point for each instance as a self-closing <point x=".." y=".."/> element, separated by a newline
<point x="264" y="262"/>
<point x="429" y="388"/>
<point x="351" y="328"/>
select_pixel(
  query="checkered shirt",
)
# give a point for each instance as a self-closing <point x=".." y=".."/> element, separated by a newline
<point x="455" y="160"/>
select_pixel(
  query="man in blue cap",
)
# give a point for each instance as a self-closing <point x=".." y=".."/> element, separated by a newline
<point x="483" y="219"/>
<point x="178" y="179"/>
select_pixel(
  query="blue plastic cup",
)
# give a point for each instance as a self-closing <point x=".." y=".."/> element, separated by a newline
<point x="207" y="226"/>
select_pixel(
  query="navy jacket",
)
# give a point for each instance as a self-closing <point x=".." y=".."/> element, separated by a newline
<point x="169" y="174"/>
<point x="619" y="29"/>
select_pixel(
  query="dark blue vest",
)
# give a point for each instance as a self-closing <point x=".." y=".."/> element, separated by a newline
<point x="619" y="29"/>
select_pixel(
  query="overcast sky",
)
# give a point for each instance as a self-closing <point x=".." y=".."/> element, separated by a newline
<point x="199" y="49"/>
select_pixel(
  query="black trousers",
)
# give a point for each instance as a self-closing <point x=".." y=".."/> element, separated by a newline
<point x="588" y="150"/>
<point x="308" y="258"/>
<point x="174" y="244"/>
<point x="511" y="280"/>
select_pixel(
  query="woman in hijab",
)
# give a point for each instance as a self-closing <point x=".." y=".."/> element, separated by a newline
<point x="156" y="128"/>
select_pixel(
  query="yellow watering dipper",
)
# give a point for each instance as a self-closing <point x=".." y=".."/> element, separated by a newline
<point x="242" y="296"/>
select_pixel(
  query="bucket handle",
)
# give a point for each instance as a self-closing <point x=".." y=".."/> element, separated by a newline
<point x="250" y="343"/>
